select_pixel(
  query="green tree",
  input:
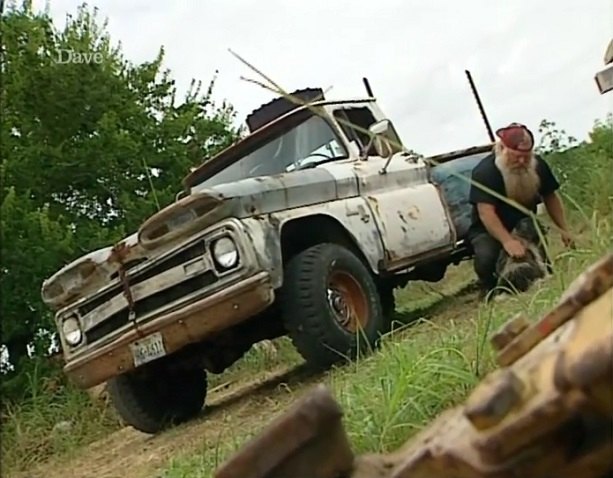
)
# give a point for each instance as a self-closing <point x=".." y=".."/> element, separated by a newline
<point x="88" y="151"/>
<point x="583" y="167"/>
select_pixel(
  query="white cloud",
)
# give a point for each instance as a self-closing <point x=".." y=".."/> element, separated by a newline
<point x="531" y="59"/>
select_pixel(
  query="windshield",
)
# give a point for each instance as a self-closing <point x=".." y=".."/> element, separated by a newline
<point x="306" y="145"/>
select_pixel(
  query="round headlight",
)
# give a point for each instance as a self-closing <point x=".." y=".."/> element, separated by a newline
<point x="72" y="331"/>
<point x="225" y="252"/>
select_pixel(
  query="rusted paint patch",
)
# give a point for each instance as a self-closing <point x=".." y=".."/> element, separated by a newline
<point x="361" y="226"/>
<point x="493" y="399"/>
<point x="118" y="255"/>
<point x="414" y="212"/>
<point x="375" y="204"/>
<point x="509" y="331"/>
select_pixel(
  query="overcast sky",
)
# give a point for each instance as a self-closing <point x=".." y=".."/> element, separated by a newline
<point x="530" y="59"/>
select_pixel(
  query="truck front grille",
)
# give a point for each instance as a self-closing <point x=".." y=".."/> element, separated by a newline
<point x="153" y="302"/>
<point x="181" y="257"/>
<point x="150" y="304"/>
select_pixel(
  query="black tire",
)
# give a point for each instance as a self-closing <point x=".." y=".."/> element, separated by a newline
<point x="155" y="400"/>
<point x="308" y="314"/>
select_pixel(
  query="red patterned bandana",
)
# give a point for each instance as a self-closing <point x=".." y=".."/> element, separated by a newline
<point x="516" y="136"/>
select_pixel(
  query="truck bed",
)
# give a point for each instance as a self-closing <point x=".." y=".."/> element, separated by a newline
<point x="452" y="177"/>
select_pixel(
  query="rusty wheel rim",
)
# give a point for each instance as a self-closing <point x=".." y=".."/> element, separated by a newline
<point x="347" y="301"/>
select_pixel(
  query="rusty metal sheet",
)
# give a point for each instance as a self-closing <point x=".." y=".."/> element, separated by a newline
<point x="547" y="414"/>
<point x="177" y="267"/>
<point x="580" y="293"/>
<point x="298" y="444"/>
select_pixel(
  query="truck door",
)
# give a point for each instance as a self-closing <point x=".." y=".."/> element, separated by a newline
<point x="408" y="210"/>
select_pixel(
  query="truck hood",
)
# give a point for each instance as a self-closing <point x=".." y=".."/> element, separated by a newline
<point x="181" y="221"/>
<point x="90" y="272"/>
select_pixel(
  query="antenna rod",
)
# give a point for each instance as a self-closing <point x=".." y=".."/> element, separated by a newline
<point x="480" y="105"/>
<point x="367" y="86"/>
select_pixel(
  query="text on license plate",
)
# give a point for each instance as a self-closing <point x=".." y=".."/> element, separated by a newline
<point x="148" y="349"/>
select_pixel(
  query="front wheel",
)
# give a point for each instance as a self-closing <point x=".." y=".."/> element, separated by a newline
<point x="151" y="400"/>
<point x="331" y="306"/>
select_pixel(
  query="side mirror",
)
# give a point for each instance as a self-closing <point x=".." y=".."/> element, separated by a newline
<point x="385" y="140"/>
<point x="381" y="127"/>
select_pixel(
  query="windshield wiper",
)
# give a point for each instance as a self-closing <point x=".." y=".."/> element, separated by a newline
<point x="322" y="161"/>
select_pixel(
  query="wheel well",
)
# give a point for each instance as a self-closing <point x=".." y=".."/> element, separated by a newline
<point x="302" y="233"/>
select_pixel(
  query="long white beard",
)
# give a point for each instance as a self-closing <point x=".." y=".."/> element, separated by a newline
<point x="521" y="184"/>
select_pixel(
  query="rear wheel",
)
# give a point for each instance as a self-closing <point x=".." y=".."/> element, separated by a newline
<point x="331" y="306"/>
<point x="154" y="399"/>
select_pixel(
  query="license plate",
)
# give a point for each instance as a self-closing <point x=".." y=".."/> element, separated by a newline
<point x="148" y="349"/>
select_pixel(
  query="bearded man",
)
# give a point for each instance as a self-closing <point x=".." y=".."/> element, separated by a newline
<point x="515" y="172"/>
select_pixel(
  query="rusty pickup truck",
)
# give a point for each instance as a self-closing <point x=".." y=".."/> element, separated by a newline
<point x="302" y="228"/>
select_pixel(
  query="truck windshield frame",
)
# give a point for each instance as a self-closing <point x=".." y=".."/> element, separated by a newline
<point x="307" y="143"/>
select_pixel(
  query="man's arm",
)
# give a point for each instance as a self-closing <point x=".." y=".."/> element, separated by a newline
<point x="553" y="203"/>
<point x="496" y="228"/>
<point x="493" y="224"/>
<point x="555" y="209"/>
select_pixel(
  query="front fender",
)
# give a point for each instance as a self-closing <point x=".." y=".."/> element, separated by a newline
<point x="353" y="215"/>
<point x="265" y="236"/>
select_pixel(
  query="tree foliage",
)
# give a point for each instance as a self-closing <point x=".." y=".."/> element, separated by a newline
<point x="584" y="168"/>
<point x="88" y="151"/>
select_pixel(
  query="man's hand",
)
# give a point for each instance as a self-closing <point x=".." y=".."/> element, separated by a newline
<point x="514" y="248"/>
<point x="567" y="239"/>
<point x="556" y="212"/>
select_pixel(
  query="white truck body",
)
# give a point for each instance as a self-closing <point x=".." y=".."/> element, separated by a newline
<point x="164" y="292"/>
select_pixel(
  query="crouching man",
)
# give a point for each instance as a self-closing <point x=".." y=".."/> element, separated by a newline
<point x="515" y="172"/>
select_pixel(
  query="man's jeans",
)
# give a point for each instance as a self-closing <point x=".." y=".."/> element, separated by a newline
<point x="486" y="250"/>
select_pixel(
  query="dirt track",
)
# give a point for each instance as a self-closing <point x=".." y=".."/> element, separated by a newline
<point x="241" y="407"/>
<point x="129" y="453"/>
